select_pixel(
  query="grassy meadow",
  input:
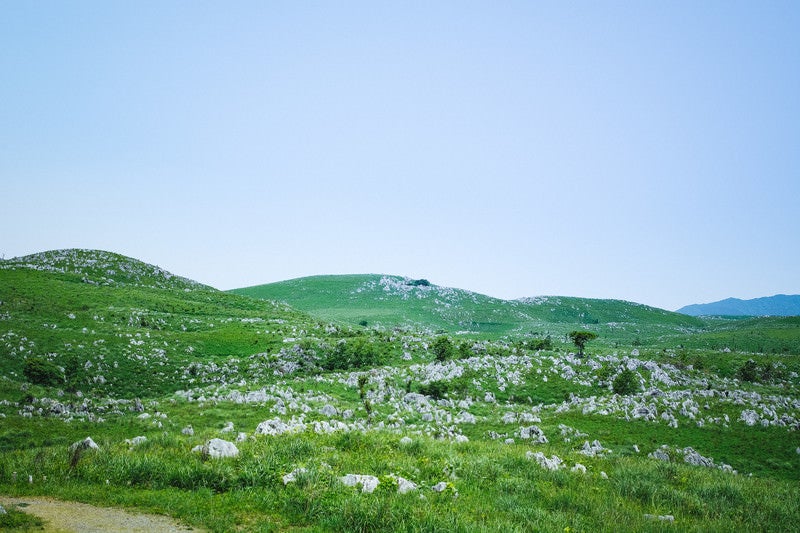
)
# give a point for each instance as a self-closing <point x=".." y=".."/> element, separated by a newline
<point x="470" y="413"/>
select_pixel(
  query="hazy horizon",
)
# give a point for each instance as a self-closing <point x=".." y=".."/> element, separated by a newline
<point x="620" y="150"/>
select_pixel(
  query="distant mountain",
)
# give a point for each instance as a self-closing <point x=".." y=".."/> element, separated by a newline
<point x="778" y="305"/>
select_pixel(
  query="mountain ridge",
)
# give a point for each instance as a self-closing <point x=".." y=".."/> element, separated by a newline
<point x="777" y="305"/>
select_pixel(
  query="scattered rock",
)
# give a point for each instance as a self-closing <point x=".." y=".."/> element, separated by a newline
<point x="85" y="444"/>
<point x="579" y="468"/>
<point x="328" y="410"/>
<point x="135" y="441"/>
<point x="440" y="487"/>
<point x="661" y="518"/>
<point x="594" y="449"/>
<point x="228" y="428"/>
<point x="532" y="433"/>
<point x="291" y="477"/>
<point x="219" y="449"/>
<point x="188" y="430"/>
<point x="553" y="463"/>
<point x="404" y="485"/>
<point x="367" y="483"/>
<point x="406" y="441"/>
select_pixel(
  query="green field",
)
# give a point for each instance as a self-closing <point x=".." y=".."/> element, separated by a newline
<point x="449" y="391"/>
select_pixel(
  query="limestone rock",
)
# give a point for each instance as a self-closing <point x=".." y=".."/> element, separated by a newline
<point x="218" y="449"/>
<point x="85" y="444"/>
<point x="368" y="483"/>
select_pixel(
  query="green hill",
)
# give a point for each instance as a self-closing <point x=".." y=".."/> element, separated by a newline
<point x="393" y="301"/>
<point x="118" y="325"/>
<point x="479" y="431"/>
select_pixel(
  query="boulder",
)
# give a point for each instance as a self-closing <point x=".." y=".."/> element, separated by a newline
<point x="368" y="483"/>
<point x="404" y="485"/>
<point x="85" y="444"/>
<point x="135" y="441"/>
<point x="219" y="449"/>
<point x="291" y="477"/>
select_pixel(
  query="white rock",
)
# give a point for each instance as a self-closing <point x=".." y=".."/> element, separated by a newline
<point x="404" y="485"/>
<point x="368" y="483"/>
<point x="218" y="448"/>
<point x="135" y="441"/>
<point x="241" y="437"/>
<point x="553" y="463"/>
<point x="188" y="430"/>
<point x="291" y="477"/>
<point x="578" y="468"/>
<point x="603" y="475"/>
<point x="406" y="441"/>
<point x="439" y="487"/>
<point x="85" y="444"/>
<point x="328" y="410"/>
<point x="228" y="428"/>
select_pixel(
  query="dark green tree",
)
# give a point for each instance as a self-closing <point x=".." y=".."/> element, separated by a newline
<point x="41" y="371"/>
<point x="442" y="349"/>
<point x="625" y="383"/>
<point x="580" y="338"/>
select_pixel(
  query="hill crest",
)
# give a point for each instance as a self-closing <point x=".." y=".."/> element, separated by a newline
<point x="777" y="305"/>
<point x="102" y="268"/>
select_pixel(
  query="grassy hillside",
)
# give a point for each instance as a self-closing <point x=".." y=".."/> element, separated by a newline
<point x="471" y="432"/>
<point x="119" y="326"/>
<point x="396" y="301"/>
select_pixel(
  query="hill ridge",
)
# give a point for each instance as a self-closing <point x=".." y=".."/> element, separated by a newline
<point x="776" y="305"/>
<point x="103" y="268"/>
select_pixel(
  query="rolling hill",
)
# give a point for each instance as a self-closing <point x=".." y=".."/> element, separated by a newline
<point x="116" y="324"/>
<point x="393" y="301"/>
<point x="327" y="425"/>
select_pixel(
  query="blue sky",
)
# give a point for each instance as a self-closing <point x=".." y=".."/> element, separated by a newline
<point x="636" y="150"/>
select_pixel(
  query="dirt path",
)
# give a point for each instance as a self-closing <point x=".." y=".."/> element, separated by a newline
<point x="64" y="516"/>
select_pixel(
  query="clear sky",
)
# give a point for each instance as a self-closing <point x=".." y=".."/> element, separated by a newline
<point x="646" y="151"/>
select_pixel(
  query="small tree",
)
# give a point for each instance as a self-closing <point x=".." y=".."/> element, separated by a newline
<point x="41" y="371"/>
<point x="442" y="349"/>
<point x="580" y="338"/>
<point x="625" y="383"/>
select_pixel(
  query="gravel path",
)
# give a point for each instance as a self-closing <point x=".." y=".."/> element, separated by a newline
<point x="63" y="516"/>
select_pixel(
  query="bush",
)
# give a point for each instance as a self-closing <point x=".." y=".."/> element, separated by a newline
<point x="625" y="383"/>
<point x="435" y="389"/>
<point x="442" y="349"/>
<point x="748" y="371"/>
<point x="357" y="352"/>
<point x="43" y="372"/>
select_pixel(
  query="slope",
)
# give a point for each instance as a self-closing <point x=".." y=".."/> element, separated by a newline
<point x="116" y="325"/>
<point x="393" y="301"/>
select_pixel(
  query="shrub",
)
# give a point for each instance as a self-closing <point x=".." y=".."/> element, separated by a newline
<point x="357" y="352"/>
<point x="41" y="371"/>
<point x="435" y="389"/>
<point x="748" y="371"/>
<point x="442" y="349"/>
<point x="625" y="383"/>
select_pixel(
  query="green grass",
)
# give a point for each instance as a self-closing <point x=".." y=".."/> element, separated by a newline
<point x="126" y="330"/>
